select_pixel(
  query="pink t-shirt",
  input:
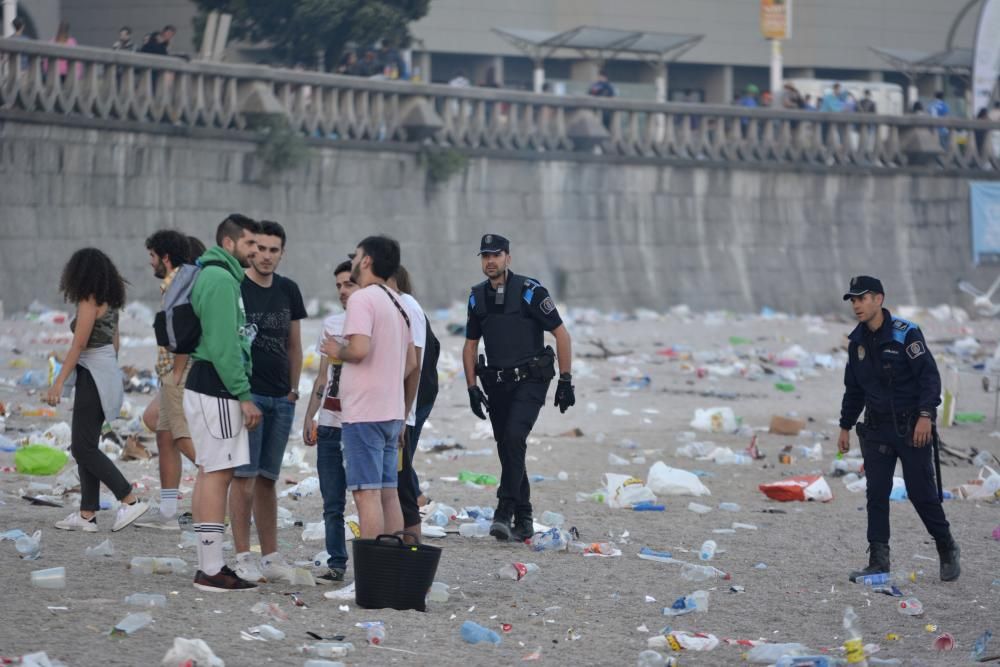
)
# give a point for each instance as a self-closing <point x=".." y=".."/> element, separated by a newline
<point x="372" y="390"/>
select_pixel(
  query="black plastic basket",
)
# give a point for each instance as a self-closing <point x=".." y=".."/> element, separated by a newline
<point x="391" y="574"/>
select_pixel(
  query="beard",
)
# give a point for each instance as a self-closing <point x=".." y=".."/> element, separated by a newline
<point x="356" y="274"/>
<point x="160" y="270"/>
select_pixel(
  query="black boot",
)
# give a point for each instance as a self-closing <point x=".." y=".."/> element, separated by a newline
<point x="500" y="528"/>
<point x="524" y="526"/>
<point x="878" y="561"/>
<point x="948" y="552"/>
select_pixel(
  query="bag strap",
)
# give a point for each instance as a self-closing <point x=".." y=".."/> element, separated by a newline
<point x="395" y="303"/>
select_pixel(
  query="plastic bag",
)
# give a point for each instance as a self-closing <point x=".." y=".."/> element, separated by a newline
<point x="802" y="487"/>
<point x="666" y="481"/>
<point x="768" y="654"/>
<point x="715" y="420"/>
<point x="625" y="491"/>
<point x="39" y="460"/>
<point x="191" y="652"/>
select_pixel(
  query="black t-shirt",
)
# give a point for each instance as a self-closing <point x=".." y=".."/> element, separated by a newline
<point x="270" y="313"/>
<point x="542" y="309"/>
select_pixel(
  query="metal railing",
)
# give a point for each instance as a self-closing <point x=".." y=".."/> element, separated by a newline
<point x="112" y="86"/>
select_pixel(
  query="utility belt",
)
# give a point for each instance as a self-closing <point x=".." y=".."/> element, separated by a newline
<point x="875" y="419"/>
<point x="539" y="368"/>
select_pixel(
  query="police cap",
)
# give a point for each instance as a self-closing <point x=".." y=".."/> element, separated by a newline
<point x="493" y="243"/>
<point x="862" y="285"/>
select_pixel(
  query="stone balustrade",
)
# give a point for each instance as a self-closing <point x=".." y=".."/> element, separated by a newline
<point x="53" y="81"/>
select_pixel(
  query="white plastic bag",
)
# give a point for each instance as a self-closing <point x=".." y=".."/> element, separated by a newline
<point x="715" y="420"/>
<point x="625" y="491"/>
<point x="666" y="481"/>
<point x="191" y="651"/>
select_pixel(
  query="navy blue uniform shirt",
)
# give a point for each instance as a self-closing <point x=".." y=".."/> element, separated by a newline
<point x="889" y="370"/>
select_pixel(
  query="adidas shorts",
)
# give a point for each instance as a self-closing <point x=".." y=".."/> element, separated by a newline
<point x="216" y="425"/>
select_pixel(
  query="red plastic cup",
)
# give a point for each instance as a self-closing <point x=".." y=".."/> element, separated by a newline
<point x="944" y="642"/>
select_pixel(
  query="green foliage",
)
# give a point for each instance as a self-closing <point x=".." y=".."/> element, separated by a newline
<point x="282" y="148"/>
<point x="442" y="164"/>
<point x="298" y="29"/>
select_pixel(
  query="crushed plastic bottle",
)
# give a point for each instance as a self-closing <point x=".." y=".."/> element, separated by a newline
<point x="375" y="634"/>
<point x="474" y="633"/>
<point x="476" y="529"/>
<point x="647" y="506"/>
<point x="854" y="647"/>
<point x="553" y="539"/>
<point x="132" y="623"/>
<point x="661" y="556"/>
<point x="30" y="547"/>
<point x="698" y="508"/>
<point x="482" y="479"/>
<point x="328" y="649"/>
<point x="707" y="551"/>
<point x="696" y="602"/>
<point x="910" y="607"/>
<point x="886" y="578"/>
<point x="517" y="571"/>
<point x="105" y="548"/>
<point x="438" y="518"/>
<point x="729" y="507"/>
<point x="146" y="600"/>
<point x="268" y="632"/>
<point x="147" y="565"/>
<point x="692" y="572"/>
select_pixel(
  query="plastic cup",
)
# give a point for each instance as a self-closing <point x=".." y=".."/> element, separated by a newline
<point x="53" y="577"/>
<point x="944" y="642"/>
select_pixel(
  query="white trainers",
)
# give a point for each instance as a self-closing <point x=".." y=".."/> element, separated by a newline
<point x="76" y="522"/>
<point x="155" y="519"/>
<point x="129" y="513"/>
<point x="246" y="569"/>
<point x="276" y="568"/>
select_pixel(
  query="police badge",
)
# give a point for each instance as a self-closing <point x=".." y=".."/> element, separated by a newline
<point x="861" y="352"/>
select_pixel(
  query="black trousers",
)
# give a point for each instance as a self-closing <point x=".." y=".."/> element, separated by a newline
<point x="881" y="445"/>
<point x="514" y="409"/>
<point x="94" y="466"/>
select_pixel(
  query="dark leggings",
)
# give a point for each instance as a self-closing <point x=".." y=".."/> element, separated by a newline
<point x="94" y="466"/>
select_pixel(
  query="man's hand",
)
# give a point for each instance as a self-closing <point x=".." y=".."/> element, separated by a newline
<point x="309" y="432"/>
<point x="565" y="398"/>
<point x="251" y="414"/>
<point x="477" y="401"/>
<point x="844" y="441"/>
<point x="330" y="347"/>
<point x="922" y="432"/>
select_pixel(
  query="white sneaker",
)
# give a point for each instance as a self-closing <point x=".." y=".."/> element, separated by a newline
<point x="129" y="513"/>
<point x="154" y="519"/>
<point x="76" y="522"/>
<point x="247" y="570"/>
<point x="276" y="568"/>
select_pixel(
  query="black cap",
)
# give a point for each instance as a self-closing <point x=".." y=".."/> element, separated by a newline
<point x="494" y="243"/>
<point x="862" y="285"/>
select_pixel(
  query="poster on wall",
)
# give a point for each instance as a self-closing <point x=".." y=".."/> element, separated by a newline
<point x="776" y="19"/>
<point x="984" y="202"/>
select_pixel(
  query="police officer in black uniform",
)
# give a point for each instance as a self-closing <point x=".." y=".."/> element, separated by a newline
<point x="512" y="313"/>
<point x="892" y="376"/>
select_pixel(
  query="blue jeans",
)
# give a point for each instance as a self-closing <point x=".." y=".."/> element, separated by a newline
<point x="333" y="486"/>
<point x="268" y="440"/>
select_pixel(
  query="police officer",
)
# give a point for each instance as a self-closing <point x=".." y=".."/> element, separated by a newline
<point x="512" y="312"/>
<point x="892" y="376"/>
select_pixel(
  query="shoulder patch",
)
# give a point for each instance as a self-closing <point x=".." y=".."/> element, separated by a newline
<point x="900" y="328"/>
<point x="472" y="301"/>
<point x="915" y="349"/>
<point x="547" y="305"/>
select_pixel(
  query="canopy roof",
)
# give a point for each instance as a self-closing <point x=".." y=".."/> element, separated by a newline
<point x="910" y="61"/>
<point x="599" y="43"/>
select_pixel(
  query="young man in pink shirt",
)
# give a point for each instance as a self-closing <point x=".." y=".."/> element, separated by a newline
<point x="378" y="355"/>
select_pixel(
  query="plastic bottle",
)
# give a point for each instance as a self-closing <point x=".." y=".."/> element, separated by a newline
<point x="698" y="508"/>
<point x="804" y="661"/>
<point x="322" y="663"/>
<point x="553" y="519"/>
<point x="910" y="607"/>
<point x="131" y="623"/>
<point x="438" y="518"/>
<point x="517" y="571"/>
<point x="647" y="506"/>
<point x="854" y="646"/>
<point x="146" y="600"/>
<point x="884" y="578"/>
<point x="147" y="565"/>
<point x="320" y="559"/>
<point x="375" y="633"/>
<point x="708" y="548"/>
<point x="269" y="632"/>
<point x="476" y="529"/>
<point x="474" y="633"/>
<point x="692" y="572"/>
<point x="729" y="507"/>
<point x="651" y="554"/>
<point x="696" y="602"/>
<point x="551" y="540"/>
<point x="328" y="649"/>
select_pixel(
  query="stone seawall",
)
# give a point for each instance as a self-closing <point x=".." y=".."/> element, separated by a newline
<point x="600" y="232"/>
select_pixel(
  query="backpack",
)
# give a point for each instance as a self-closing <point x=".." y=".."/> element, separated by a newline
<point x="177" y="327"/>
<point x="427" y="391"/>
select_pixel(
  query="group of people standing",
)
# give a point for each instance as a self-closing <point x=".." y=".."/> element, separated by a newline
<point x="228" y="405"/>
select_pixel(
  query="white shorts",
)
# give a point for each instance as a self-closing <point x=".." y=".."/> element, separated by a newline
<point x="216" y="425"/>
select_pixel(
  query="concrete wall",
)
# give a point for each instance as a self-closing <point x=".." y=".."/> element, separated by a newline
<point x="600" y="233"/>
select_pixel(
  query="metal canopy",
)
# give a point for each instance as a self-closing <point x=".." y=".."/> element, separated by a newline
<point x="600" y="43"/>
<point x="912" y="62"/>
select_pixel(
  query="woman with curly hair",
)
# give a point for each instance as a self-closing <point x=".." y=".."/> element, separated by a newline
<point x="91" y="282"/>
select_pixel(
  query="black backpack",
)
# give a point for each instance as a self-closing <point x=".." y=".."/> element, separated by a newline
<point x="427" y="391"/>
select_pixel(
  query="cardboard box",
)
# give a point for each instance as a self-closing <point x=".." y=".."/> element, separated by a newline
<point x="786" y="425"/>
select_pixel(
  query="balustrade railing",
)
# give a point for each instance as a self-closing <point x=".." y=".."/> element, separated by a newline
<point x="112" y="86"/>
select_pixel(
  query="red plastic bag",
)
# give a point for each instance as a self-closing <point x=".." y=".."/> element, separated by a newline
<point x="802" y="487"/>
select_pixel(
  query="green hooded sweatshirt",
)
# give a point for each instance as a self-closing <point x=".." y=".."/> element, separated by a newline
<point x="225" y="341"/>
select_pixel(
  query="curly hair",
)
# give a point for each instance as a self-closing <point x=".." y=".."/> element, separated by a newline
<point x="91" y="273"/>
<point x="170" y="244"/>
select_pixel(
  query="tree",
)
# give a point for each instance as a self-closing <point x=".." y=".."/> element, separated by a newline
<point x="298" y="30"/>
